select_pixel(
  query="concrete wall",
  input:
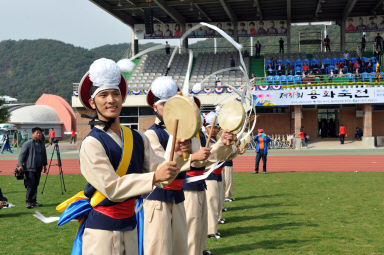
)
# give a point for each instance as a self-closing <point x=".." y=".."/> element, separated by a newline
<point x="274" y="123"/>
<point x="310" y="123"/>
<point x="378" y="123"/>
<point x="350" y="121"/>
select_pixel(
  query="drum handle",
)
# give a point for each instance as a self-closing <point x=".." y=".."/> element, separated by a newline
<point x="210" y="132"/>
<point x="174" y="140"/>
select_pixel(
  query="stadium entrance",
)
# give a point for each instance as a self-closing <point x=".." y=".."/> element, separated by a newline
<point x="328" y="120"/>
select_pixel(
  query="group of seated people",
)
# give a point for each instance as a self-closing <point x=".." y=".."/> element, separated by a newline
<point x="335" y="67"/>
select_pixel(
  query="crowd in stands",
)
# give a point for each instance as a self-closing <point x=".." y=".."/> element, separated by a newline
<point x="346" y="66"/>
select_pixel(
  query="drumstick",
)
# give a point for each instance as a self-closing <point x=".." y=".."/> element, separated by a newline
<point x="210" y="132"/>
<point x="174" y="140"/>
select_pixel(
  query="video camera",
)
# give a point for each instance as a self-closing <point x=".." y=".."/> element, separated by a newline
<point x="55" y="141"/>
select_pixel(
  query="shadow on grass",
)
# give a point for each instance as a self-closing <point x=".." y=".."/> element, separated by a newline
<point x="262" y="216"/>
<point x="250" y="229"/>
<point x="12" y="215"/>
<point x="244" y="207"/>
<point x="254" y="196"/>
<point x="270" y="244"/>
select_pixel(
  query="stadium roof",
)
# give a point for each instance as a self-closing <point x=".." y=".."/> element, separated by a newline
<point x="193" y="11"/>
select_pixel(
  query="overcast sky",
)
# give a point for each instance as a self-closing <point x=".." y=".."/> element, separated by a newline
<point x="78" y="22"/>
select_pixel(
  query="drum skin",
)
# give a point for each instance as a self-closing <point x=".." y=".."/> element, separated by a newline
<point x="186" y="111"/>
<point x="232" y="116"/>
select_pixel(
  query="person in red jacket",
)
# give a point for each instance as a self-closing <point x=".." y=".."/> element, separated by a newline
<point x="342" y="133"/>
<point x="51" y="136"/>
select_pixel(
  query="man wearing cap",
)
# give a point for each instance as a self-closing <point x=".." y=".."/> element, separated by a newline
<point x="261" y="149"/>
<point x="117" y="162"/>
<point x="164" y="210"/>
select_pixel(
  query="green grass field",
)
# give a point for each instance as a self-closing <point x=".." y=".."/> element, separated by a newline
<point x="277" y="213"/>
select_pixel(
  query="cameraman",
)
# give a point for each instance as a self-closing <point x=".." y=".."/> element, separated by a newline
<point x="32" y="159"/>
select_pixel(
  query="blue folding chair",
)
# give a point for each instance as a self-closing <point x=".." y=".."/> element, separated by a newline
<point x="269" y="80"/>
<point x="316" y="61"/>
<point x="327" y="61"/>
<point x="331" y="67"/>
<point x="298" y="62"/>
<point x="298" y="79"/>
<point x="350" y="77"/>
<point x="365" y="59"/>
<point x="276" y="80"/>
<point x="283" y="80"/>
<point x="374" y="59"/>
<point x="267" y="62"/>
<point x="335" y="61"/>
<point x="279" y="61"/>
<point x="372" y="76"/>
<point x="290" y="80"/>
<point x="353" y="60"/>
<point x="298" y="70"/>
<point x="287" y="61"/>
<point x="365" y="77"/>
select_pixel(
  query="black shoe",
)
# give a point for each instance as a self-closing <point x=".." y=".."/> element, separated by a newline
<point x="37" y="204"/>
<point x="207" y="252"/>
<point x="213" y="237"/>
<point x="218" y="234"/>
<point x="224" y="209"/>
<point x="29" y="205"/>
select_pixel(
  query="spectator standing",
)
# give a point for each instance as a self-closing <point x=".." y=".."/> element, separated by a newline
<point x="32" y="159"/>
<point x="73" y="136"/>
<point x="51" y="136"/>
<point x="346" y="55"/>
<point x="342" y="133"/>
<point x="167" y="48"/>
<point x="262" y="150"/>
<point x="363" y="44"/>
<point x="232" y="62"/>
<point x="327" y="44"/>
<point x="258" y="48"/>
<point x="378" y="42"/>
<point x="6" y="143"/>
<point x="302" y="138"/>
<point x="281" y="44"/>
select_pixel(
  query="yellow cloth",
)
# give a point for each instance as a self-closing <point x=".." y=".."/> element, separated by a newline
<point x="121" y="170"/>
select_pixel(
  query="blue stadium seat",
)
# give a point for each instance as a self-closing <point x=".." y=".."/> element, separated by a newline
<point x="365" y="59"/>
<point x="314" y="60"/>
<point x="276" y="80"/>
<point x="343" y="60"/>
<point x="350" y="77"/>
<point x="353" y="60"/>
<point x="327" y="61"/>
<point x="298" y="70"/>
<point x="372" y="76"/>
<point x="287" y="61"/>
<point x="331" y="67"/>
<point x="267" y="62"/>
<point x="269" y="80"/>
<point x="306" y="60"/>
<point x="290" y="80"/>
<point x="298" y="62"/>
<point x="335" y="61"/>
<point x="279" y="61"/>
<point x="297" y="79"/>
<point x="365" y="77"/>
<point x="374" y="60"/>
<point x="283" y="80"/>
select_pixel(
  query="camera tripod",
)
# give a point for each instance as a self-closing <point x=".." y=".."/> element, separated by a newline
<point x="61" y="175"/>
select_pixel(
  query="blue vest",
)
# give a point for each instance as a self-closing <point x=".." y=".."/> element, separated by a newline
<point x="228" y="163"/>
<point x="97" y="220"/>
<point x="168" y="196"/>
<point x="199" y="185"/>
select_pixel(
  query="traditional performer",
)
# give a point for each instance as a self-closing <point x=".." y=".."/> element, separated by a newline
<point x="195" y="198"/>
<point x="164" y="210"/>
<point x="118" y="164"/>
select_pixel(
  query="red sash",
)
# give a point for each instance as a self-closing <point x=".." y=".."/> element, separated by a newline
<point x="217" y="171"/>
<point x="195" y="172"/>
<point x="121" y="210"/>
<point x="177" y="184"/>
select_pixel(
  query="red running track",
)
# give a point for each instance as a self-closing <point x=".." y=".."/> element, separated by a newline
<point x="246" y="164"/>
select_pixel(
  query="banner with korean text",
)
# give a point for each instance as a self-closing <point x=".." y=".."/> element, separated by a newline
<point x="316" y="96"/>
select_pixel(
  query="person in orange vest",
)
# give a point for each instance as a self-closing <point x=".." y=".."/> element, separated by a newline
<point x="73" y="136"/>
<point x="342" y="133"/>
<point x="302" y="138"/>
<point x="51" y="136"/>
<point x="262" y="150"/>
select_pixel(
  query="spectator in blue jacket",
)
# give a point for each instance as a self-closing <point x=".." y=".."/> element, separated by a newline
<point x="262" y="141"/>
